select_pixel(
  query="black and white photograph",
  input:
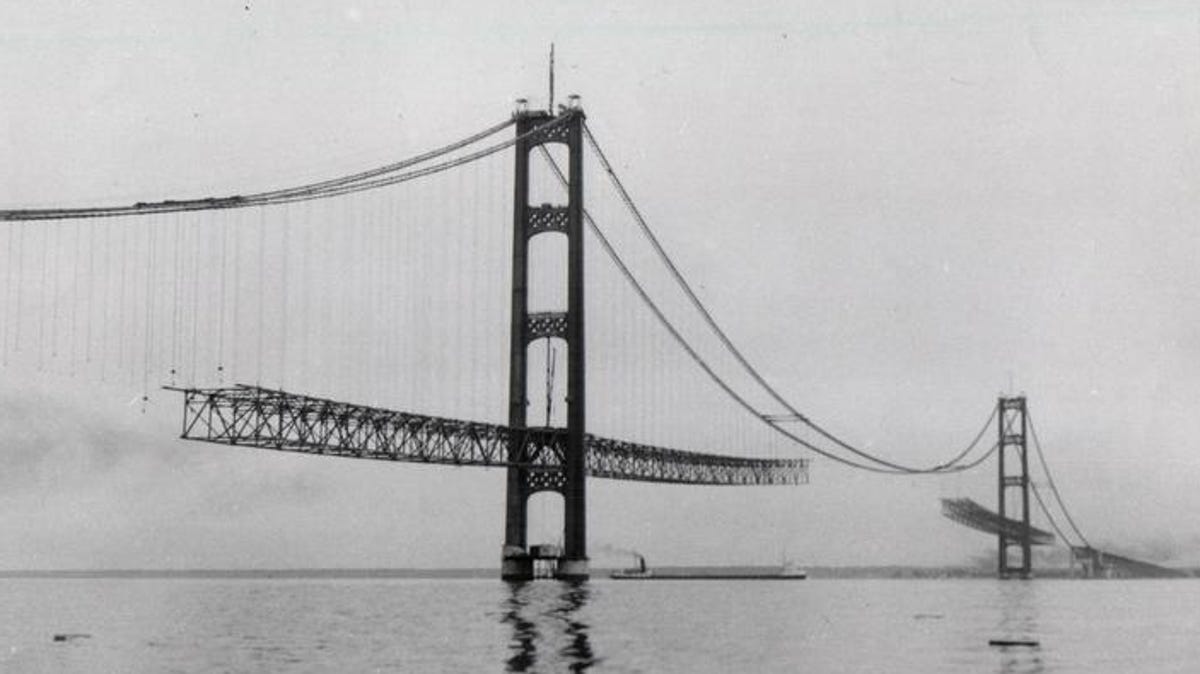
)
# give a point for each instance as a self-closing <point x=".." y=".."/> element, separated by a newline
<point x="698" y="337"/>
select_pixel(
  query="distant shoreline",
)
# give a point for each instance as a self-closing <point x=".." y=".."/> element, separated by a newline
<point x="250" y="573"/>
<point x="817" y="572"/>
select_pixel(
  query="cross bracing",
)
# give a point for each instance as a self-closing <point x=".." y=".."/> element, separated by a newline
<point x="253" y="416"/>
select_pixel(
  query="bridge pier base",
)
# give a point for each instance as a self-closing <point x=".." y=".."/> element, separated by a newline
<point x="572" y="569"/>
<point x="516" y="565"/>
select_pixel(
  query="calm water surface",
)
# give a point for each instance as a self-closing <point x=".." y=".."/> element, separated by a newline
<point x="401" y="625"/>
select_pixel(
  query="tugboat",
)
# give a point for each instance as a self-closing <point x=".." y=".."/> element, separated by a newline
<point x="640" y="572"/>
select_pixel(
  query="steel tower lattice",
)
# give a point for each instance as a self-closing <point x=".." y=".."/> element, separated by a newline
<point x="569" y="478"/>
<point x="1011" y="413"/>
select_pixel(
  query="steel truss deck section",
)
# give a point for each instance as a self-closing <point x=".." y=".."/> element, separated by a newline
<point x="969" y="513"/>
<point x="1100" y="564"/>
<point x="621" y="460"/>
<point x="253" y="416"/>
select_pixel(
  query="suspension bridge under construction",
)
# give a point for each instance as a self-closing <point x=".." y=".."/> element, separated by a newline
<point x="445" y="283"/>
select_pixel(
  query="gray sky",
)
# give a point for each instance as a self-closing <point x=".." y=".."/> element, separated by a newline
<point x="894" y="207"/>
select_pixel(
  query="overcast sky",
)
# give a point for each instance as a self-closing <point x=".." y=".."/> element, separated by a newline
<point x="897" y="208"/>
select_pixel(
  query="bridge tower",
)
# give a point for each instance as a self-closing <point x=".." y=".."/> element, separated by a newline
<point x="1014" y="476"/>
<point x="534" y="129"/>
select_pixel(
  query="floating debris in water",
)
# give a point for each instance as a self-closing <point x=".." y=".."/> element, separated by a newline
<point x="68" y="637"/>
<point x="1013" y="642"/>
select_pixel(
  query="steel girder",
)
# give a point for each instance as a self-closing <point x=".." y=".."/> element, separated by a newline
<point x="253" y="416"/>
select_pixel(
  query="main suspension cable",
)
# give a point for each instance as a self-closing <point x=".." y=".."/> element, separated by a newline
<point x="1037" y="445"/>
<point x="364" y="180"/>
<point x="402" y="177"/>
<point x="728" y="343"/>
<point x="962" y="467"/>
<point x="393" y="167"/>
<point x="946" y="467"/>
<point x="1046" y="511"/>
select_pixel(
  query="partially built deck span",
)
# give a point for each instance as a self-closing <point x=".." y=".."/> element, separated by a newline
<point x="254" y="416"/>
<point x="969" y="513"/>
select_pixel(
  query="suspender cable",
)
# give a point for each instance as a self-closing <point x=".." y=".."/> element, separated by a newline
<point x="375" y="322"/>
<point x="76" y="259"/>
<point x="121" y="311"/>
<point x="48" y="304"/>
<point x="148" y="349"/>
<point x="41" y="332"/>
<point x="105" y="291"/>
<point x="8" y="286"/>
<point x="223" y="229"/>
<point x="176" y="297"/>
<point x="55" y="276"/>
<point x="284" y="253"/>
<point x="8" y="291"/>
<point x="20" y="284"/>
<point x="262" y="256"/>
<point x="93" y="281"/>
<point x="305" y="282"/>
<point x="195" y="299"/>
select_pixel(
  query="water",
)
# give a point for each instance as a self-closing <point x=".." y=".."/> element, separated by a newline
<point x="405" y="625"/>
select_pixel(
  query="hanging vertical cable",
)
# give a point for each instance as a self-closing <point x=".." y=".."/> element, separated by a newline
<point x="372" y="272"/>
<point x="176" y="297"/>
<point x="8" y="290"/>
<point x="222" y="294"/>
<point x="93" y="281"/>
<point x="285" y="253"/>
<point x="42" y="302"/>
<point x="235" y="307"/>
<point x="304" y="285"/>
<point x="76" y="260"/>
<point x="106" y="308"/>
<point x="262" y="283"/>
<point x="124" y="256"/>
<point x="20" y="285"/>
<point x="148" y="348"/>
<point x="195" y="245"/>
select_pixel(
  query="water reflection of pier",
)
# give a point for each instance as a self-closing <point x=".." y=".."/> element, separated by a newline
<point x="548" y="632"/>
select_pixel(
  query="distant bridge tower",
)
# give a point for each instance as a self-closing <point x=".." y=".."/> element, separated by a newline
<point x="569" y="477"/>
<point x="1014" y="476"/>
